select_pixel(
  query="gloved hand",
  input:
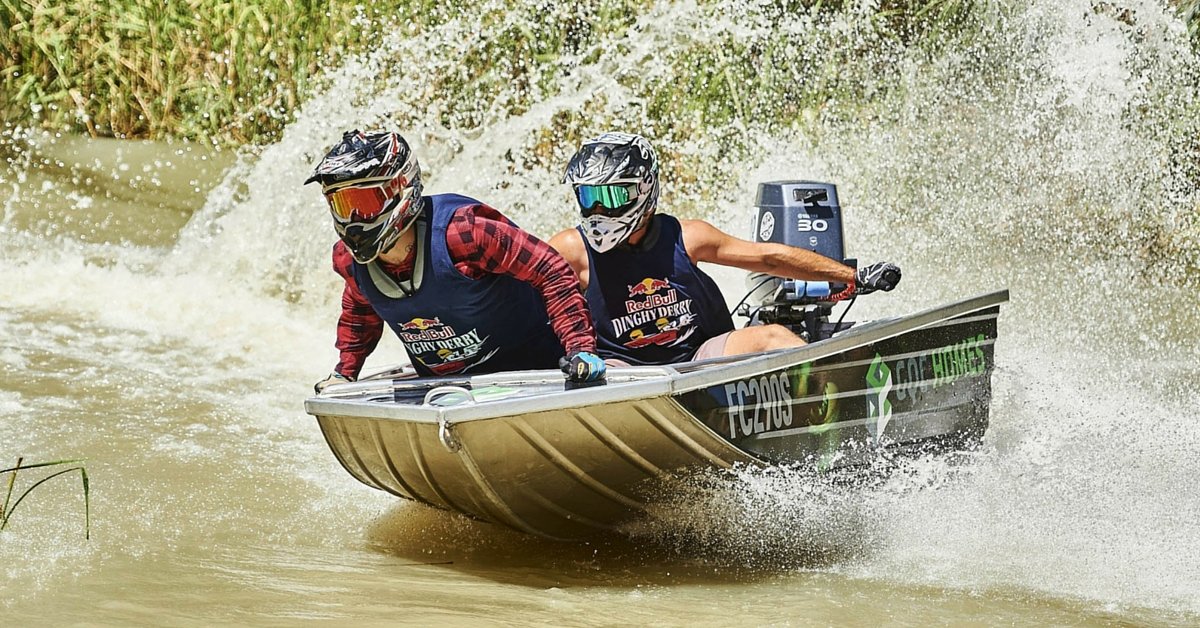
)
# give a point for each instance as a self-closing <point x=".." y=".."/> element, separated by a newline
<point x="878" y="276"/>
<point x="334" y="378"/>
<point x="581" y="367"/>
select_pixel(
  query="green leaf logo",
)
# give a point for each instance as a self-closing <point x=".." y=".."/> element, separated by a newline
<point x="879" y="409"/>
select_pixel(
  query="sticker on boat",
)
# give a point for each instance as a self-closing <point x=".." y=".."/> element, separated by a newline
<point x="759" y="404"/>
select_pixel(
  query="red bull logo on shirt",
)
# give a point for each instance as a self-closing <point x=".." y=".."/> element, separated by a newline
<point x="421" y="323"/>
<point x="654" y="314"/>
<point x="650" y="293"/>
<point x="649" y="285"/>
<point x="423" y="329"/>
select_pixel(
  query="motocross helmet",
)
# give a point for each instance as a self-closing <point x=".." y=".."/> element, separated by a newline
<point x="615" y="179"/>
<point x="372" y="183"/>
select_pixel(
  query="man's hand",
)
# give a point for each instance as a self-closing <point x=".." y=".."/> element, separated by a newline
<point x="334" y="378"/>
<point x="583" y="367"/>
<point x="878" y="276"/>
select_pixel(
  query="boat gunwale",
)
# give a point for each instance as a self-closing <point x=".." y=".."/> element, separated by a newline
<point x="661" y="381"/>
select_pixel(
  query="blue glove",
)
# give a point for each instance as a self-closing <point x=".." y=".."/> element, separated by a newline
<point x="878" y="276"/>
<point x="581" y="366"/>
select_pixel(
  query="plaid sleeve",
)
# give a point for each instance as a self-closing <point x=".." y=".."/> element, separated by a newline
<point x="359" y="328"/>
<point x="482" y="241"/>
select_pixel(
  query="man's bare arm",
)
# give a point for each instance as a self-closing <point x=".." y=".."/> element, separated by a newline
<point x="706" y="243"/>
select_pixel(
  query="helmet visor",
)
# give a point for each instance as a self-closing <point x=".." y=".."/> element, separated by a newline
<point x="606" y="200"/>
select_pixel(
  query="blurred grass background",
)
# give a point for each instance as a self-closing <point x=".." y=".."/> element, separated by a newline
<point x="229" y="71"/>
<point x="233" y="72"/>
<point x="223" y="71"/>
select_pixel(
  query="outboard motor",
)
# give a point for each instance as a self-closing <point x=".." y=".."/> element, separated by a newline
<point x="804" y="214"/>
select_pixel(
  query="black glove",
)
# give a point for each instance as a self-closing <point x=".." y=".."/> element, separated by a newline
<point x="583" y="367"/>
<point x="878" y="276"/>
<point x="334" y="378"/>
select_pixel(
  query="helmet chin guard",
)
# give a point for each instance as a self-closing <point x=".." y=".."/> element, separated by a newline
<point x="603" y="233"/>
<point x="367" y="241"/>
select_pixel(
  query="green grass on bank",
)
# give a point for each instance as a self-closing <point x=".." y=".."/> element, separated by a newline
<point x="1190" y="11"/>
<point x="227" y="70"/>
<point x="235" y="71"/>
<point x="707" y="79"/>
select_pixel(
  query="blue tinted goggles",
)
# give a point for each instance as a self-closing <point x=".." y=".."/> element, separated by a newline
<point x="606" y="200"/>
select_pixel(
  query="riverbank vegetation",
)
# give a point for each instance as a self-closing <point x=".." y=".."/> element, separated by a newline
<point x="233" y="72"/>
<point x="226" y="71"/>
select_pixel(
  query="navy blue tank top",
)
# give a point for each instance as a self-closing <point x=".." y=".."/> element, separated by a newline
<point x="650" y="303"/>
<point x="451" y="323"/>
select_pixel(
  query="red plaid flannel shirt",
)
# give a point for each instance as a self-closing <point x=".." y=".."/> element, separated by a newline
<point x="480" y="242"/>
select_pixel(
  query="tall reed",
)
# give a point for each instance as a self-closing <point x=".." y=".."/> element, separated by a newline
<point x="1190" y="10"/>
<point x="234" y="71"/>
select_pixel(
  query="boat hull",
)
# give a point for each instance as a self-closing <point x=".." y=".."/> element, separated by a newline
<point x="557" y="473"/>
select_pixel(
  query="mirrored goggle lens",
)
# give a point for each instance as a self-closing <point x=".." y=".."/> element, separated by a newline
<point x="604" y="199"/>
<point x="357" y="203"/>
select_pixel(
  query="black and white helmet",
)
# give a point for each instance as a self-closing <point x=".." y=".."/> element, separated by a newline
<point x="615" y="179"/>
<point x="372" y="183"/>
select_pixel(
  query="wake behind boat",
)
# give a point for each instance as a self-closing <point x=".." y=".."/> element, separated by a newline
<point x="520" y="449"/>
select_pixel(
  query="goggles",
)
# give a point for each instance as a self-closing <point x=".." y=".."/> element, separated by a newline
<point x="606" y="200"/>
<point x="358" y="203"/>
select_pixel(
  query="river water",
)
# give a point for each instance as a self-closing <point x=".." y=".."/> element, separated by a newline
<point x="165" y="309"/>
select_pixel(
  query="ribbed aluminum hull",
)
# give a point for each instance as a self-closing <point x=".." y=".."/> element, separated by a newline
<point x="557" y="473"/>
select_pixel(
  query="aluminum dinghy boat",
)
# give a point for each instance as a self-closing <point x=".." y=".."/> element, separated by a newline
<point x="519" y="449"/>
<point x="522" y="450"/>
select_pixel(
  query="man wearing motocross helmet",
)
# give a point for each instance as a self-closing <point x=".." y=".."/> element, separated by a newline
<point x="650" y="303"/>
<point x="463" y="288"/>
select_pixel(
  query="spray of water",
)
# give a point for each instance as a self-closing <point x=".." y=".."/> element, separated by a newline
<point x="1047" y="147"/>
